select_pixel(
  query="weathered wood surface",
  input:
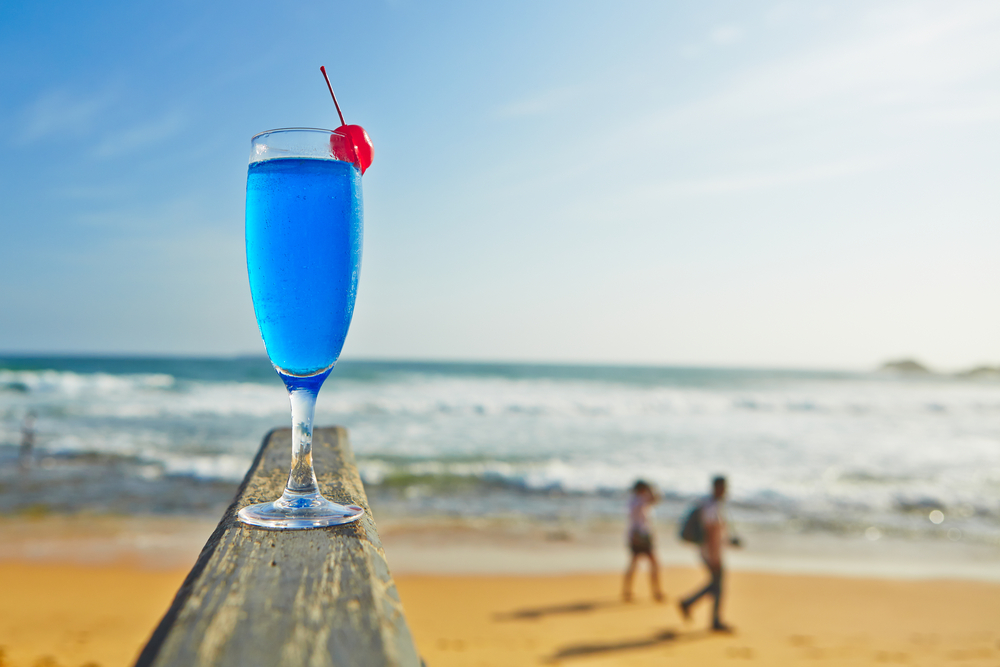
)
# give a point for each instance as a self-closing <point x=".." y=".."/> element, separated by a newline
<point x="317" y="598"/>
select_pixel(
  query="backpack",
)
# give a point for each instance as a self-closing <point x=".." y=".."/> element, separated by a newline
<point x="692" y="529"/>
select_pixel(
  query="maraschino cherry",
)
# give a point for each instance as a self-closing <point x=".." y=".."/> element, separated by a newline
<point x="349" y="143"/>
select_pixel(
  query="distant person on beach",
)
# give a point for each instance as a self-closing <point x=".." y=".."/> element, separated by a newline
<point x="706" y="526"/>
<point x="27" y="439"/>
<point x="640" y="538"/>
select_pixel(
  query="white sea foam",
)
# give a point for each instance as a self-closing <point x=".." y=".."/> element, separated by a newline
<point x="70" y="384"/>
<point x="803" y="443"/>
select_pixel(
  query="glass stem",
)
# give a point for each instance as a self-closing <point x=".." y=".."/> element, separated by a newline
<point x="302" y="478"/>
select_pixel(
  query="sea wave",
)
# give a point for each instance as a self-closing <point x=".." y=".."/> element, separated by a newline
<point x="145" y="394"/>
<point x="70" y="384"/>
<point x="829" y="447"/>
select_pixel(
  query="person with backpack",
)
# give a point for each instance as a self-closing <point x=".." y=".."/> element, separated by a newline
<point x="705" y="525"/>
<point x="640" y="538"/>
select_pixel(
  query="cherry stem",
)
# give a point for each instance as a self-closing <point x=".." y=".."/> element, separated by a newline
<point x="335" y="103"/>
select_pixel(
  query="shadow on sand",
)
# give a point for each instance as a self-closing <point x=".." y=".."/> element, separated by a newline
<point x="660" y="638"/>
<point x="569" y="608"/>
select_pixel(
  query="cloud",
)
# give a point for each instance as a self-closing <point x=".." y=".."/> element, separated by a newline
<point x="175" y="216"/>
<point x="89" y="192"/>
<point x="897" y="58"/>
<point x="643" y="199"/>
<point x="856" y="101"/>
<point x="57" y="112"/>
<point x="720" y="36"/>
<point x="141" y="136"/>
<point x="726" y="34"/>
<point x="749" y="182"/>
<point x="893" y="73"/>
<point x="541" y="104"/>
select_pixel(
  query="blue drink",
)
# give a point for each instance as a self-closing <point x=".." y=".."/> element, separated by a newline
<point x="304" y="232"/>
<point x="304" y="235"/>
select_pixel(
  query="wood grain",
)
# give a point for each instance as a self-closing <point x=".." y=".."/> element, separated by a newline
<point x="319" y="597"/>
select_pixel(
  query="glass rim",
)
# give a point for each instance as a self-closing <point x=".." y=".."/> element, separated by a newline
<point x="291" y="129"/>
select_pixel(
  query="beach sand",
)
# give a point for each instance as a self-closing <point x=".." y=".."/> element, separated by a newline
<point x="74" y="615"/>
<point x="68" y="599"/>
<point x="779" y="620"/>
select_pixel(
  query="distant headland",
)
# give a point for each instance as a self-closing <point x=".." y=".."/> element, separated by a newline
<point x="914" y="367"/>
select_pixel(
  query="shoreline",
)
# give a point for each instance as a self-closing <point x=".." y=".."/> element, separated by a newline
<point x="436" y="546"/>
<point x="461" y="547"/>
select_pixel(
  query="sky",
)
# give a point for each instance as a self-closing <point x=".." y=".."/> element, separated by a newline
<point x="786" y="184"/>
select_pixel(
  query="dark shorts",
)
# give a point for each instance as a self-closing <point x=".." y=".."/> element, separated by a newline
<point x="640" y="543"/>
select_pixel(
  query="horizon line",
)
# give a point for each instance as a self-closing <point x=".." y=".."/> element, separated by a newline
<point x="484" y="362"/>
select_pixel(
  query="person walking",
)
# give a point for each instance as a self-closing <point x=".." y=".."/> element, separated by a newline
<point x="27" y="440"/>
<point x="640" y="538"/>
<point x="713" y="535"/>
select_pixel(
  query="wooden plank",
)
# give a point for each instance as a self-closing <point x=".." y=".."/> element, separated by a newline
<point x="319" y="597"/>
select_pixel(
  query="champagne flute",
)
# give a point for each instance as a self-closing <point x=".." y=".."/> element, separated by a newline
<point x="304" y="228"/>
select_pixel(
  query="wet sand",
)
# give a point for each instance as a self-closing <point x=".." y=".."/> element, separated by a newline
<point x="75" y="594"/>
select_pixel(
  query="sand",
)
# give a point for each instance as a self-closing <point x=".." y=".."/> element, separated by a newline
<point x="58" y="608"/>
<point x="73" y="615"/>
<point x="779" y="620"/>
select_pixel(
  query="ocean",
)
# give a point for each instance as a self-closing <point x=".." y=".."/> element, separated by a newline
<point x="864" y="454"/>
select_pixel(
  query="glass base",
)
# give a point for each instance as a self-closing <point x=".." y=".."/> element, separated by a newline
<point x="299" y="512"/>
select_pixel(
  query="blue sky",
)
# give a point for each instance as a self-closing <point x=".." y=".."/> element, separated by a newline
<point x="788" y="184"/>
